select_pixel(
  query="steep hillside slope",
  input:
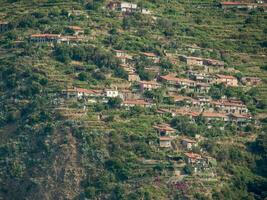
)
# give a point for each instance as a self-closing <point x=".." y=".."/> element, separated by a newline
<point x="76" y="122"/>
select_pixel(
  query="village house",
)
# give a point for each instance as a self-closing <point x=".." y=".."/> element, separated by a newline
<point x="203" y="100"/>
<point x="80" y="93"/>
<point x="192" y="61"/>
<point x="120" y="53"/>
<point x="136" y="102"/>
<point x="199" y="162"/>
<point x="188" y="143"/>
<point x="170" y="79"/>
<point x="226" y="80"/>
<point x="184" y="99"/>
<point x="212" y="62"/>
<point x="202" y="88"/>
<point x="164" y="129"/>
<point x="240" y="119"/>
<point x="175" y="83"/>
<point x="185" y="83"/>
<point x="163" y="112"/>
<point x="192" y="158"/>
<point x="123" y="56"/>
<point x="4" y="26"/>
<point x="199" y="76"/>
<point x="42" y="38"/>
<point x="128" y="7"/>
<point x="165" y="141"/>
<point x="70" y="39"/>
<point x="214" y="116"/>
<point x="145" y="11"/>
<point x="148" y="85"/>
<point x="77" y="30"/>
<point x="112" y="93"/>
<point x="251" y="81"/>
<point x="230" y="106"/>
<point x="242" y="5"/>
<point x="123" y="6"/>
<point x="151" y="56"/>
<point x="155" y="70"/>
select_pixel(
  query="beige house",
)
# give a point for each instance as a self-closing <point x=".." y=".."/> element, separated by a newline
<point x="164" y="129"/>
<point x="77" y="30"/>
<point x="151" y="56"/>
<point x="148" y="85"/>
<point x="188" y="143"/>
<point x="227" y="80"/>
<point x="230" y="106"/>
<point x="165" y="141"/>
<point x="193" y="61"/>
<point x="136" y="102"/>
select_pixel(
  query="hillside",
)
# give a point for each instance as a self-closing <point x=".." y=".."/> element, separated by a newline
<point x="147" y="99"/>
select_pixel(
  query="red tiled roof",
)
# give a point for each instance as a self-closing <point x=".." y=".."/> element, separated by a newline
<point x="193" y="155"/>
<point x="213" y="115"/>
<point x="177" y="80"/>
<point x="236" y="103"/>
<point x="225" y="76"/>
<point x="165" y="138"/>
<point x="76" y="28"/>
<point x="45" y="36"/>
<point x="88" y="91"/>
<point x="188" y="140"/>
<point x="180" y="98"/>
<point x="136" y="102"/>
<point x="233" y="3"/>
<point x="149" y="54"/>
<point x="165" y="127"/>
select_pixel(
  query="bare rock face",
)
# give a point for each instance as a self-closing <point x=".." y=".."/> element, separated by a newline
<point x="62" y="181"/>
<point x="60" y="176"/>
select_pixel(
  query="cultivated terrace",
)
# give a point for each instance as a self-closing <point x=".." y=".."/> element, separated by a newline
<point x="144" y="99"/>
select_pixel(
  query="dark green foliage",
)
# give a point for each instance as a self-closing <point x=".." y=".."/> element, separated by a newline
<point x="114" y="102"/>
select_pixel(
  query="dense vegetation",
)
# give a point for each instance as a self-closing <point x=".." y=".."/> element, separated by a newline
<point x="46" y="155"/>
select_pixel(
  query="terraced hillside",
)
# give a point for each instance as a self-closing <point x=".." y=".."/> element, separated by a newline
<point x="146" y="99"/>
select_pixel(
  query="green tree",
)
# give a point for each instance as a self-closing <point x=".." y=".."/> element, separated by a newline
<point x="114" y="102"/>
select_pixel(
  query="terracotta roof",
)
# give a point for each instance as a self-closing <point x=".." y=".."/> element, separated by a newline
<point x="180" y="98"/>
<point x="233" y="3"/>
<point x="188" y="140"/>
<point x="193" y="155"/>
<point x="165" y="127"/>
<point x="88" y="91"/>
<point x="213" y="115"/>
<point x="168" y="78"/>
<point x="76" y="28"/>
<point x="225" y="76"/>
<point x="45" y="36"/>
<point x="236" y="103"/>
<point x="177" y="80"/>
<point x="165" y="138"/>
<point x="149" y="54"/>
<point x="136" y="102"/>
